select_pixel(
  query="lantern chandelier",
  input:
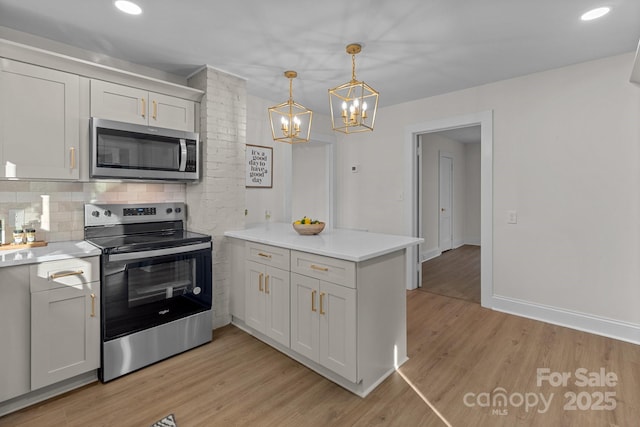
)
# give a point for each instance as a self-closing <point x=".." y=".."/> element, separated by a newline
<point x="290" y="121"/>
<point x="353" y="104"/>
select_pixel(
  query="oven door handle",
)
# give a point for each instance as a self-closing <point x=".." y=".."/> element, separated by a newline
<point x="159" y="252"/>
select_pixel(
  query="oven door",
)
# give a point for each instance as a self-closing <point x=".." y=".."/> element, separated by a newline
<point x="148" y="288"/>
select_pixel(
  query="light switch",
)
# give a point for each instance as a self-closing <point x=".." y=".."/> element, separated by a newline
<point x="512" y="217"/>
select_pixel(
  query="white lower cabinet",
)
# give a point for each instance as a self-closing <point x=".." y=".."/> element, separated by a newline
<point x="65" y="319"/>
<point x="267" y="301"/>
<point x="15" y="324"/>
<point x="346" y="319"/>
<point x="323" y="324"/>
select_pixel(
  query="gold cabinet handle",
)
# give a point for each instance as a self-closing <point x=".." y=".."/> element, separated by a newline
<point x="317" y="267"/>
<point x="144" y="107"/>
<point x="55" y="276"/>
<point x="266" y="284"/>
<point x="321" y="298"/>
<point x="93" y="305"/>
<point x="313" y="301"/>
<point x="155" y="110"/>
<point x="260" y="282"/>
<point x="264" y="255"/>
<point x="73" y="158"/>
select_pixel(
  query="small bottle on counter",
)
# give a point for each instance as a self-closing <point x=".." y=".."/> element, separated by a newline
<point x="2" y="232"/>
<point x="31" y="235"/>
<point x="18" y="236"/>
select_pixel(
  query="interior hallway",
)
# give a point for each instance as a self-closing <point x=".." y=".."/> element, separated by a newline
<point x="455" y="273"/>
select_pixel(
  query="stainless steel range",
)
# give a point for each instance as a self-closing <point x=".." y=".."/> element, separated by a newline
<point x="156" y="283"/>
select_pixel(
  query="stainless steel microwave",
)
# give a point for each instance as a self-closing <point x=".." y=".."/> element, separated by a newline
<point x="129" y="151"/>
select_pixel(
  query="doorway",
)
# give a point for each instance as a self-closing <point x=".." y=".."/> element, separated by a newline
<point x="449" y="178"/>
<point x="415" y="226"/>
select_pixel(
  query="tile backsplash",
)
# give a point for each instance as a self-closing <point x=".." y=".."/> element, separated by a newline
<point x="56" y="209"/>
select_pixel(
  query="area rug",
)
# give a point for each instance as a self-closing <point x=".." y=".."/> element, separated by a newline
<point x="168" y="421"/>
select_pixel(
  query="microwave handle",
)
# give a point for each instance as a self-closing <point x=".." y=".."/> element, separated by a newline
<point x="182" y="155"/>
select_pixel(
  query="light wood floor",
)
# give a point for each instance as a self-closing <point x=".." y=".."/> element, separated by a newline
<point x="455" y="273"/>
<point x="455" y="347"/>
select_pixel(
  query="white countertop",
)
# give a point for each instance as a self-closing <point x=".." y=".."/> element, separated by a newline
<point x="349" y="245"/>
<point x="53" y="251"/>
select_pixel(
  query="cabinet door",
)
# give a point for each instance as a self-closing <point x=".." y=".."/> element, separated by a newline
<point x="116" y="102"/>
<point x="255" y="309"/>
<point x="15" y="330"/>
<point x="39" y="122"/>
<point x="65" y="333"/>
<point x="337" y="308"/>
<point x="170" y="112"/>
<point x="276" y="289"/>
<point x="304" y="316"/>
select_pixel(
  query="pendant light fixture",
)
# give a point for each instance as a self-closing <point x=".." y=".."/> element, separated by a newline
<point x="353" y="104"/>
<point x="290" y="121"/>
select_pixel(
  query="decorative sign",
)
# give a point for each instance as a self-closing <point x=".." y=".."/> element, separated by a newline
<point x="259" y="165"/>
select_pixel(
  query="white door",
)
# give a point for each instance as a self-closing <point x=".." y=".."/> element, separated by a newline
<point x="254" y="296"/>
<point x="65" y="333"/>
<point x="304" y="316"/>
<point x="276" y="289"/>
<point x="445" y="184"/>
<point x="337" y="309"/>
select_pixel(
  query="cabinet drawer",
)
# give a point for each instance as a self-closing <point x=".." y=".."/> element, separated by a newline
<point x="268" y="255"/>
<point x="324" y="268"/>
<point x="66" y="272"/>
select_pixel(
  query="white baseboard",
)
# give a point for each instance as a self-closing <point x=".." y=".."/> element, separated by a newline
<point x="473" y="242"/>
<point x="427" y="255"/>
<point x="610" y="328"/>
<point x="458" y="243"/>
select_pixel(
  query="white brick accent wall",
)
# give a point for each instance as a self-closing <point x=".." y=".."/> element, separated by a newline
<point x="217" y="202"/>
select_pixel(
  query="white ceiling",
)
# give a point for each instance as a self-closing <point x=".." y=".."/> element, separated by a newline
<point x="411" y="48"/>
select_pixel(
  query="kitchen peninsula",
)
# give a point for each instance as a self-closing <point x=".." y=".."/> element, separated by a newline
<point x="335" y="301"/>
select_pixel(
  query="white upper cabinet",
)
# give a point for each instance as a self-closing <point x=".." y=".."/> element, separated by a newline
<point x="127" y="104"/>
<point x="39" y="122"/>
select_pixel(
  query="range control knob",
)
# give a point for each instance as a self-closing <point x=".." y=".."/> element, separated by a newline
<point x="95" y="213"/>
<point x="178" y="210"/>
<point x="169" y="210"/>
<point x="107" y="213"/>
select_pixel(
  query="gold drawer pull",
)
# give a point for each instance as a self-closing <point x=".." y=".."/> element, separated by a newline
<point x="144" y="108"/>
<point x="55" y="276"/>
<point x="321" y="298"/>
<point x="260" y="282"/>
<point x="317" y="267"/>
<point x="264" y="255"/>
<point x="155" y="110"/>
<point x="266" y="284"/>
<point x="93" y="305"/>
<point x="313" y="301"/>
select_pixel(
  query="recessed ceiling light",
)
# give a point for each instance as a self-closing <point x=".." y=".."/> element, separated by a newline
<point x="128" y="7"/>
<point x="595" y="13"/>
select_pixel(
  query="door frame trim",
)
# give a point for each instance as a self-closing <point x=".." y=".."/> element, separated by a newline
<point x="411" y="133"/>
<point x="447" y="155"/>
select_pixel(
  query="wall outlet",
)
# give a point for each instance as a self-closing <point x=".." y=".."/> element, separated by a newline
<point x="512" y="217"/>
<point x="16" y="218"/>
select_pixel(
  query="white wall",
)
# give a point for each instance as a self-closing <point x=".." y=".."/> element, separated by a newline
<point x="273" y="199"/>
<point x="566" y="158"/>
<point x="299" y="171"/>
